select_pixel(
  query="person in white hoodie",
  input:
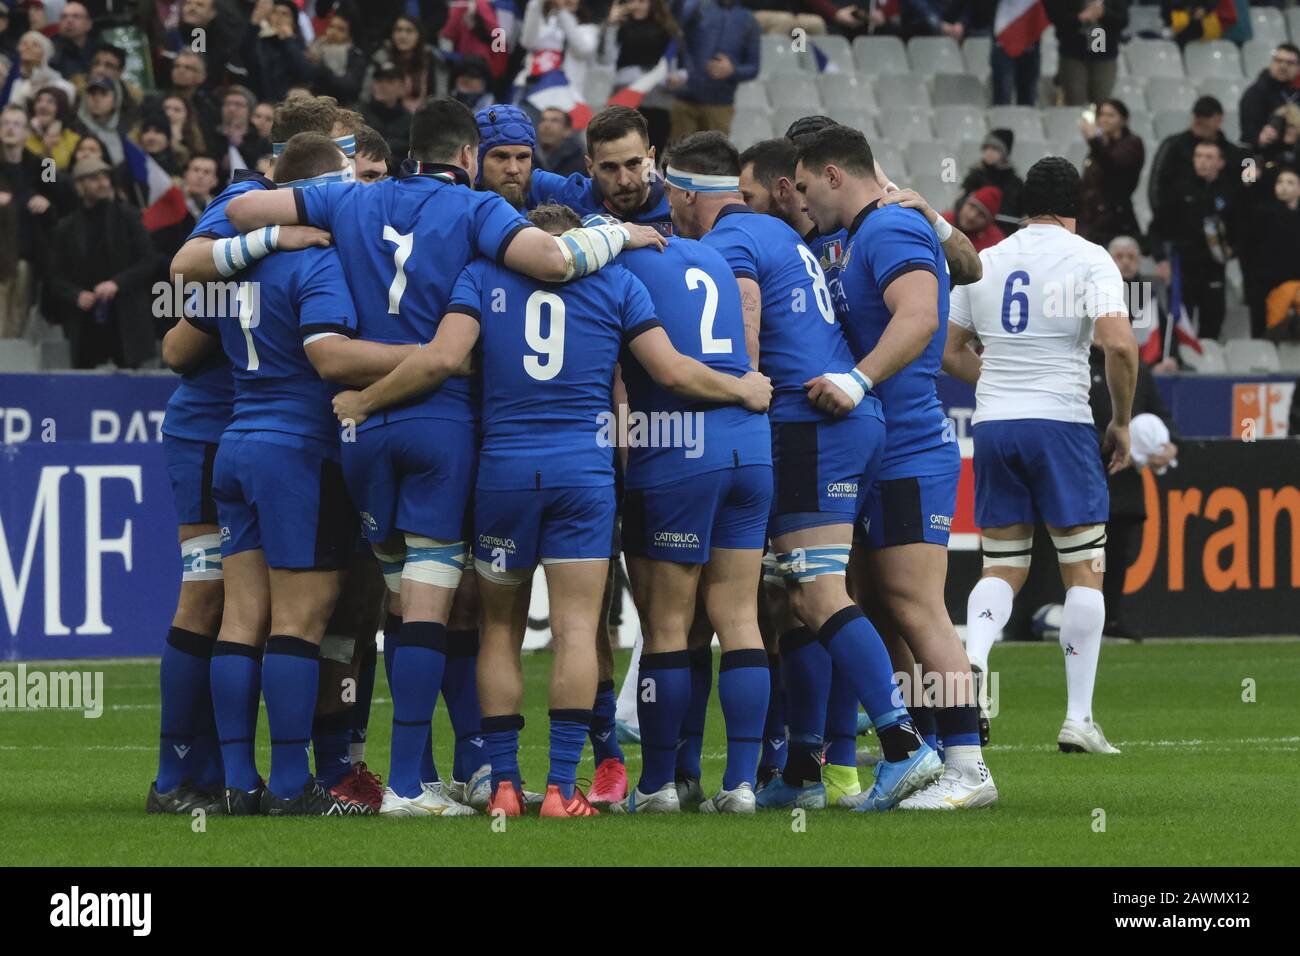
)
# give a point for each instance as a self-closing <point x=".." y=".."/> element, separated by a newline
<point x="560" y="48"/>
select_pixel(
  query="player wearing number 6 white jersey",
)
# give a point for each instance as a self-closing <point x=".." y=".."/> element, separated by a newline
<point x="1045" y="296"/>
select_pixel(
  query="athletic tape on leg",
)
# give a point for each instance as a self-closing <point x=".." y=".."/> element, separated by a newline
<point x="506" y="578"/>
<point x="771" y="573"/>
<point x="439" y="563"/>
<point x="390" y="563"/>
<point x="806" y="564"/>
<point x="1086" y="545"/>
<point x="201" y="557"/>
<point x="1006" y="552"/>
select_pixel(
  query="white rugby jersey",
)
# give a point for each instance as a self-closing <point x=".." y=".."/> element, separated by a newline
<point x="1033" y="310"/>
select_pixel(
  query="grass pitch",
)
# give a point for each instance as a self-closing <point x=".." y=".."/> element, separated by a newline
<point x="1205" y="777"/>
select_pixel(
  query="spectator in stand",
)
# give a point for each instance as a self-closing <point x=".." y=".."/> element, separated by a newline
<point x="189" y="74"/>
<point x="30" y="197"/>
<point x="385" y="110"/>
<point x="52" y="135"/>
<point x="995" y="169"/>
<point x="13" y="298"/>
<point x="1198" y="225"/>
<point x="471" y="83"/>
<point x="101" y="115"/>
<point x="89" y="146"/>
<point x="471" y="29"/>
<point x="263" y="118"/>
<point x="277" y="56"/>
<point x="185" y="130"/>
<point x="33" y="72"/>
<point x="561" y="44"/>
<point x="634" y="39"/>
<point x="559" y="149"/>
<point x="976" y="217"/>
<point x="422" y="68"/>
<point x="967" y="18"/>
<point x="1015" y="78"/>
<point x="1088" y="36"/>
<point x="155" y="138"/>
<point x="199" y="184"/>
<point x="1171" y="168"/>
<point x="1144" y="297"/>
<point x="338" y="64"/>
<point x="73" y="46"/>
<point x="100" y="292"/>
<point x="784" y="16"/>
<point x="109" y="63"/>
<point x="719" y="50"/>
<point x="1263" y="104"/>
<point x="237" y="132"/>
<point x="1192" y="20"/>
<point x="1276" y="229"/>
<point x="1110" y="175"/>
<point x="202" y="28"/>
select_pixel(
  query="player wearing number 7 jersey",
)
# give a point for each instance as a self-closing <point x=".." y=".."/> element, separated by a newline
<point x="1046" y="294"/>
<point x="411" y="470"/>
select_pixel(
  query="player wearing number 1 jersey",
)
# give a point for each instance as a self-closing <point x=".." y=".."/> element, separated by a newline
<point x="1046" y="294"/>
<point x="822" y="466"/>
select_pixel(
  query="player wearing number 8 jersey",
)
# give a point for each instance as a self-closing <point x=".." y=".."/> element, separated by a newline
<point x="1046" y="294"/>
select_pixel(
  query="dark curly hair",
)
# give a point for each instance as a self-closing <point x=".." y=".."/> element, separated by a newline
<point x="1051" y="189"/>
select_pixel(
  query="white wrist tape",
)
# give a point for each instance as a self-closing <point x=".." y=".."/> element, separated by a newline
<point x="942" y="228"/>
<point x="852" y="383"/>
<point x="237" y="254"/>
<point x="590" y="248"/>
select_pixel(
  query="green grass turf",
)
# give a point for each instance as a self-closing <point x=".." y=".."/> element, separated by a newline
<point x="1204" y="778"/>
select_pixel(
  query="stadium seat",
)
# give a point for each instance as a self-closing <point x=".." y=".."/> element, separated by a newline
<point x="1170" y="93"/>
<point x="897" y="91"/>
<point x="749" y="127"/>
<point x="1030" y="151"/>
<point x="796" y="89"/>
<point x="19" y="355"/>
<point x="1140" y="122"/>
<point x="937" y="54"/>
<point x="1144" y="21"/>
<point x="1212" y="58"/>
<point x="876" y="55"/>
<point x="1169" y="122"/>
<point x="1062" y="123"/>
<point x="860" y="120"/>
<point x="930" y="159"/>
<point x="975" y="53"/>
<point x="1293" y="23"/>
<point x="1254" y="356"/>
<point x="891" y="161"/>
<point x="1226" y="89"/>
<point x="777" y="57"/>
<point x="752" y="96"/>
<point x="55" y="354"/>
<point x="956" y="123"/>
<point x="1232" y="125"/>
<point x="1210" y="361"/>
<point x="1050" y="56"/>
<point x="1255" y="56"/>
<point x="847" y="91"/>
<point x="968" y="154"/>
<point x="1131" y="92"/>
<point x="1076" y="153"/>
<point x="1152" y="58"/>
<point x="938" y="192"/>
<point x="1288" y="357"/>
<point x="836" y="49"/>
<point x="958" y="89"/>
<point x="902" y="126"/>
<point x="1267" y="23"/>
<point x="1024" y="121"/>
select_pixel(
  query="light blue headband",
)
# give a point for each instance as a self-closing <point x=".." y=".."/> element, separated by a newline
<point x="344" y="175"/>
<point x="346" y="143"/>
<point x="701" y="182"/>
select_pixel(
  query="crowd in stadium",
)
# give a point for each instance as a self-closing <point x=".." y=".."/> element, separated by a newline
<point x="188" y="88"/>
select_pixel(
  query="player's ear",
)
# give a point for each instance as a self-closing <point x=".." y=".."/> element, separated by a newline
<point x="591" y="167"/>
<point x="469" y="160"/>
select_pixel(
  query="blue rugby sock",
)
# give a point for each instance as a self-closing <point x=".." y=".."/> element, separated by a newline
<point x="923" y="719"/>
<point x="661" y="718"/>
<point x="957" y="726"/>
<point x="460" y="692"/>
<point x="775" y="749"/>
<point x="568" y="737"/>
<point x="207" y="753"/>
<point x="290" y="679"/>
<point x="841" y="722"/>
<point x="806" y="667"/>
<point x="743" y="686"/>
<point x="501" y="740"/>
<point x="692" y="735"/>
<point x="331" y="736"/>
<point x="365" y="694"/>
<point x="604" y="740"/>
<point x="417" y="675"/>
<point x="184" y="679"/>
<point x="236" y="687"/>
<point x="392" y="638"/>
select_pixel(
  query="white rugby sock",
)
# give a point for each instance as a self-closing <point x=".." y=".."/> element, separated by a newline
<point x="626" y="710"/>
<point x="987" y="611"/>
<point x="1082" y="619"/>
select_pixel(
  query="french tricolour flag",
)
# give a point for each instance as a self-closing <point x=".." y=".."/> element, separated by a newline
<point x="166" y="203"/>
<point x="631" y="96"/>
<point x="1018" y="24"/>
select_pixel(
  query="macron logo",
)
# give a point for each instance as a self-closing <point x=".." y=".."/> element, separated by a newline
<point x="181" y="751"/>
<point x="74" y="909"/>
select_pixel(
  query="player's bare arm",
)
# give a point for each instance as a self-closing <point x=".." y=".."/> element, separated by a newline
<point x="422" y="371"/>
<point x="963" y="261"/>
<point x="960" y="359"/>
<point x="356" y="362"/>
<point x="185" y="346"/>
<point x="194" y="261"/>
<point x="751" y="305"/>
<point x="263" y="207"/>
<point x="1114" y="333"/>
<point x="687" y="377"/>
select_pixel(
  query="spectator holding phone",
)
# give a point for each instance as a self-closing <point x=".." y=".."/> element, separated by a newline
<point x="1263" y="104"/>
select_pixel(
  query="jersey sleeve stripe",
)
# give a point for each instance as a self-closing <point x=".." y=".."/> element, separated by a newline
<point x="464" y="308"/>
<point x="300" y="203"/>
<point x="327" y="328"/>
<point x="509" y="238"/>
<point x="640" y="328"/>
<point x="744" y="274"/>
<point x="904" y="269"/>
<point x="201" y="326"/>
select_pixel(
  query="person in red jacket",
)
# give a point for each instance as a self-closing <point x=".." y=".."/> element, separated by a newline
<point x="975" y="217"/>
<point x="471" y="28"/>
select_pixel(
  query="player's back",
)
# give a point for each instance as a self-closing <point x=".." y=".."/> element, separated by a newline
<point x="1033" y="310"/>
<point x="284" y="301"/>
<point x="404" y="242"/>
<point x="801" y="337"/>
<point x="549" y="351"/>
<point x="696" y="300"/>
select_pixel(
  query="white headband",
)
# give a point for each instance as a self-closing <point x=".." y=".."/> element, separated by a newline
<point x="701" y="182"/>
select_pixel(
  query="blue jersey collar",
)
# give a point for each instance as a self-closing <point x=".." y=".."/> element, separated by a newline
<point x="243" y="175"/>
<point x="731" y="207"/>
<point x="861" y="217"/>
<point x="443" y="171"/>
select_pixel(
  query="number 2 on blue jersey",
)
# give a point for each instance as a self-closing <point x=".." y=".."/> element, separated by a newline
<point x="1013" y="296"/>
<point x="708" y="344"/>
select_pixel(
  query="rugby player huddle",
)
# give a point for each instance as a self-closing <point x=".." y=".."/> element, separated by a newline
<point x="426" y="365"/>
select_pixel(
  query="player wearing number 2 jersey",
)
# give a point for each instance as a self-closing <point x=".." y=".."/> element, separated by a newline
<point x="1045" y="295"/>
